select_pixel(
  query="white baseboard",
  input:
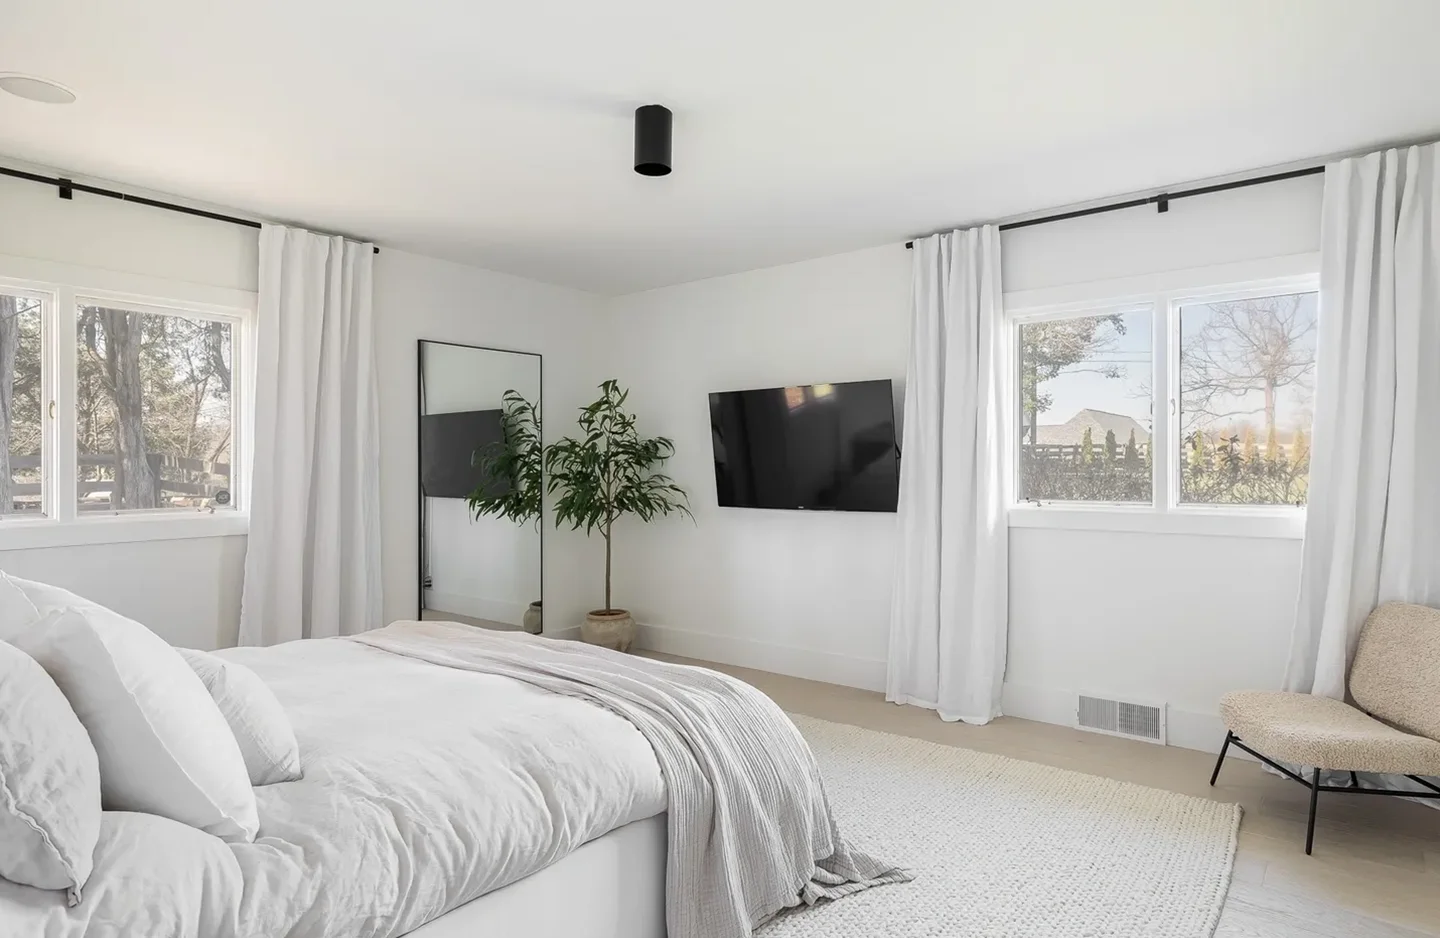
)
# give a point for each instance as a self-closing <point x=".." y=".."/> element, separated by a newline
<point x="1194" y="730"/>
<point x="1186" y="728"/>
<point x="808" y="663"/>
<point x="476" y="607"/>
<point x="571" y="633"/>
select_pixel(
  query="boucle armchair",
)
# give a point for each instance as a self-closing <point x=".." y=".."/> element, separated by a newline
<point x="1394" y="729"/>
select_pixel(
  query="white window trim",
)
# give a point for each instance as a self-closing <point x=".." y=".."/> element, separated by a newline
<point x="1260" y="521"/>
<point x="58" y="286"/>
<point x="36" y="533"/>
<point x="1164" y="293"/>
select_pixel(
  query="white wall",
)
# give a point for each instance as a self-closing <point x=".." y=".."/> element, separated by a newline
<point x="187" y="590"/>
<point x="90" y="231"/>
<point x="421" y="298"/>
<point x="801" y="592"/>
<point x="1176" y="618"/>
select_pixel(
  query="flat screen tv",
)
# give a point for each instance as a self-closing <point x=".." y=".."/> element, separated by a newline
<point x="821" y="447"/>
<point x="447" y="446"/>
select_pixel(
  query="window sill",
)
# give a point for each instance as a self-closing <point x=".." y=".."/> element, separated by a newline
<point x="35" y="533"/>
<point x="1286" y="523"/>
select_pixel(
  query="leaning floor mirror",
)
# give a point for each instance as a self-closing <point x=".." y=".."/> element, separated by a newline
<point x="481" y="553"/>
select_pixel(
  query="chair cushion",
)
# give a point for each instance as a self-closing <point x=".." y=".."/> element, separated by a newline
<point x="1325" y="733"/>
<point x="1396" y="672"/>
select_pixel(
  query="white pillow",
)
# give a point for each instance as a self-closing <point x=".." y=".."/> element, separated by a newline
<point x="266" y="738"/>
<point x="49" y="782"/>
<point x="17" y="611"/>
<point x="163" y="745"/>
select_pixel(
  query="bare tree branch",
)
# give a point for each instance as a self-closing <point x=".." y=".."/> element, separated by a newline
<point x="1245" y="346"/>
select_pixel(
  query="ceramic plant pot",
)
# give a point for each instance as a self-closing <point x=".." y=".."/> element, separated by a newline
<point x="609" y="628"/>
<point x="534" y="621"/>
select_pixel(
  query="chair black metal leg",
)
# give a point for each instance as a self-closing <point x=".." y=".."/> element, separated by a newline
<point x="1431" y="790"/>
<point x="1216" y="774"/>
<point x="1314" y="797"/>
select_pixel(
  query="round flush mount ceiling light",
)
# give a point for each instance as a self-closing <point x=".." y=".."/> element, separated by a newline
<point x="32" y="88"/>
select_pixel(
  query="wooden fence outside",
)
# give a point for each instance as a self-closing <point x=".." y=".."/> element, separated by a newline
<point x="218" y="478"/>
<point x="1072" y="452"/>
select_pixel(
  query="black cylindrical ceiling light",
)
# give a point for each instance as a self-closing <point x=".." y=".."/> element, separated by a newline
<point x="652" y="140"/>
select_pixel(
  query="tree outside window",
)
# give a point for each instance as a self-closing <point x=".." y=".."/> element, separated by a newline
<point x="1085" y="408"/>
<point x="153" y="409"/>
<point x="1247" y="379"/>
<point x="21" y="393"/>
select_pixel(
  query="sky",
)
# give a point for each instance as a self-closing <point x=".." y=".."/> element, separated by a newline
<point x="1081" y="386"/>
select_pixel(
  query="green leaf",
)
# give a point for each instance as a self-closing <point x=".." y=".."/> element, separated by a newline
<point x="515" y="465"/>
<point x="612" y="471"/>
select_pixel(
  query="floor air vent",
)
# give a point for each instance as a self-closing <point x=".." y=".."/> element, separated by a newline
<point x="1121" y="718"/>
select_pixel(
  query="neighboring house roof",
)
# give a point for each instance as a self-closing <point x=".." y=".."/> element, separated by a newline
<point x="1072" y="431"/>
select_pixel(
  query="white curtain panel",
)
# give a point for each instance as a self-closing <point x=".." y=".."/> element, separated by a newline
<point x="1373" y="528"/>
<point x="312" y="568"/>
<point x="949" y="609"/>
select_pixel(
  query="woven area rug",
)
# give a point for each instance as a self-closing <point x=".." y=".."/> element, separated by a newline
<point x="1001" y="847"/>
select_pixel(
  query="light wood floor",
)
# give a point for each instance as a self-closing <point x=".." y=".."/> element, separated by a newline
<point x="1376" y="868"/>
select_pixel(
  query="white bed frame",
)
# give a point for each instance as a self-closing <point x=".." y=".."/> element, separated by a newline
<point x="612" y="887"/>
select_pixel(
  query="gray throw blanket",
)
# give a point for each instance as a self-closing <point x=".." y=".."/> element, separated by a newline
<point x="750" y="830"/>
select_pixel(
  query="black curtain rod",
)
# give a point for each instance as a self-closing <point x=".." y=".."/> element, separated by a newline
<point x="68" y="187"/>
<point x="1161" y="201"/>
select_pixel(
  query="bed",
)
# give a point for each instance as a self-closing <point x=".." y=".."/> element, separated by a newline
<point x="545" y="816"/>
<point x="456" y="782"/>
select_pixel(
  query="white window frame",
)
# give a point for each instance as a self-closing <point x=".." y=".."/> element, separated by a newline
<point x="60" y="287"/>
<point x="1164" y="293"/>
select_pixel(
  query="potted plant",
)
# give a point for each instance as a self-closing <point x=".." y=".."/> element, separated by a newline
<point x="511" y="476"/>
<point x="609" y="473"/>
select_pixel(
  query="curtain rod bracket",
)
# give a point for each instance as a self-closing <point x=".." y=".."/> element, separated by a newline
<point x="1162" y="202"/>
<point x="65" y="188"/>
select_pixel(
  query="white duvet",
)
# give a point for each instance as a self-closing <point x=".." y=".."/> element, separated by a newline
<point x="424" y="788"/>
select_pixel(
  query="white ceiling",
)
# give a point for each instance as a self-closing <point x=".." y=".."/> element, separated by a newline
<point x="499" y="133"/>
